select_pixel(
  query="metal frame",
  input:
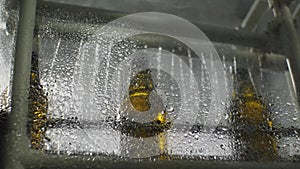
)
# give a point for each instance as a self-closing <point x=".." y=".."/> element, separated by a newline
<point x="256" y="11"/>
<point x="19" y="155"/>
<point x="17" y="118"/>
<point x="288" y="36"/>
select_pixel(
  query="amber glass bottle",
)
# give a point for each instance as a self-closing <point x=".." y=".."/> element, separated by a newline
<point x="142" y="98"/>
<point x="38" y="103"/>
<point x="251" y="121"/>
<point x="140" y="88"/>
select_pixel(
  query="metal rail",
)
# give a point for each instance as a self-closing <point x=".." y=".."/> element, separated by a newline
<point x="17" y="141"/>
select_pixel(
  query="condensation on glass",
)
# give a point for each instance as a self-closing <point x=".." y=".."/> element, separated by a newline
<point x="256" y="82"/>
<point x="8" y="28"/>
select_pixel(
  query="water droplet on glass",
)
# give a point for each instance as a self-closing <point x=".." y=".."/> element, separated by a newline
<point x="170" y="109"/>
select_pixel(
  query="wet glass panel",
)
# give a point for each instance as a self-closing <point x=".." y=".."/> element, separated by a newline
<point x="8" y="29"/>
<point x="134" y="98"/>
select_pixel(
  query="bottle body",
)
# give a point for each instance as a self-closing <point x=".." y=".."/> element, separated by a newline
<point x="251" y="122"/>
<point x="38" y="104"/>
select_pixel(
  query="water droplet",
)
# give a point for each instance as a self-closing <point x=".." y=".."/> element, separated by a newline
<point x="170" y="109"/>
<point x="226" y="116"/>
